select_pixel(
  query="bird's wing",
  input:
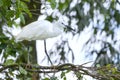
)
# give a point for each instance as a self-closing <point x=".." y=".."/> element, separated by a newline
<point x="34" y="31"/>
<point x="45" y="31"/>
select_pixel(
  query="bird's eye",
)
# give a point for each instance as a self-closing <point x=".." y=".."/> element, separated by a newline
<point x="65" y="29"/>
<point x="62" y="23"/>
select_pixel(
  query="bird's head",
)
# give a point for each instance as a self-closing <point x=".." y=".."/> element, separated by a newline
<point x="62" y="26"/>
<point x="59" y="25"/>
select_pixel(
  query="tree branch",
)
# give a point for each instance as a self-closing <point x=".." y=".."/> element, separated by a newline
<point x="106" y="72"/>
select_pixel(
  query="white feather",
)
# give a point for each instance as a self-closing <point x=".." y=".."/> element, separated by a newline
<point x="40" y="30"/>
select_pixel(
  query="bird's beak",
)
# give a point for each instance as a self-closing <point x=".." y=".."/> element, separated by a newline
<point x="71" y="29"/>
<point x="67" y="28"/>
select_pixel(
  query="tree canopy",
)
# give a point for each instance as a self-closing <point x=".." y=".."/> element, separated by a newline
<point x="102" y="17"/>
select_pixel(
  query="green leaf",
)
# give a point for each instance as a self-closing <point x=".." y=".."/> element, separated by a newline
<point x="1" y="3"/>
<point x="24" y="7"/>
<point x="61" y="6"/>
<point x="0" y="16"/>
<point x="46" y="79"/>
<point x="7" y="3"/>
<point x="22" y="18"/>
<point x="3" y="46"/>
<point x="53" y="78"/>
<point x="113" y="0"/>
<point x="64" y="78"/>
<point x="22" y="71"/>
<point x="111" y="78"/>
<point x="27" y="0"/>
<point x="9" y="62"/>
<point x="117" y="16"/>
<point x="52" y="3"/>
<point x="10" y="14"/>
<point x="62" y="74"/>
<point x="21" y="8"/>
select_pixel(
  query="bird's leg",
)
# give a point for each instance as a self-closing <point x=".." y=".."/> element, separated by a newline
<point x="46" y="52"/>
<point x="48" y="55"/>
<point x="28" y="59"/>
<point x="28" y="56"/>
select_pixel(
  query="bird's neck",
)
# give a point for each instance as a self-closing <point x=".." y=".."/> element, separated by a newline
<point x="56" y="31"/>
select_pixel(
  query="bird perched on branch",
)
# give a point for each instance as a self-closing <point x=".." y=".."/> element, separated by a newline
<point x="40" y="30"/>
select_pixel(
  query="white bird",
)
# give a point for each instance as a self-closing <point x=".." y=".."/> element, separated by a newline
<point x="40" y="30"/>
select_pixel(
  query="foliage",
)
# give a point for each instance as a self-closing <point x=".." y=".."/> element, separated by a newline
<point x="105" y="17"/>
<point x="103" y="20"/>
<point x="10" y="10"/>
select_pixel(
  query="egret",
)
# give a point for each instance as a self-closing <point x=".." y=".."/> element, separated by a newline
<point x="41" y="30"/>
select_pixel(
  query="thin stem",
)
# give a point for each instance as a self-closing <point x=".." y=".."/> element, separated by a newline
<point x="46" y="52"/>
<point x="28" y="56"/>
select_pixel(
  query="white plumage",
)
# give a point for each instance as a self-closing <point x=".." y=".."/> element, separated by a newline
<point x="40" y="30"/>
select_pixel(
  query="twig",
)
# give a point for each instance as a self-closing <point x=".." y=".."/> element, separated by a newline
<point x="87" y="62"/>
<point x="35" y="14"/>
<point x="118" y="2"/>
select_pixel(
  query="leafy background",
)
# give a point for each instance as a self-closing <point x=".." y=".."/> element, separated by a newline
<point x="102" y="16"/>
